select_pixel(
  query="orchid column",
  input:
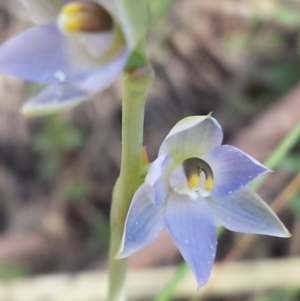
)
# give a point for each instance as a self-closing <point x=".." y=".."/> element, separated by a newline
<point x="78" y="48"/>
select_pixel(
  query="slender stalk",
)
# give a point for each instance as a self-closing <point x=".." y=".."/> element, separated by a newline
<point x="135" y="86"/>
<point x="168" y="291"/>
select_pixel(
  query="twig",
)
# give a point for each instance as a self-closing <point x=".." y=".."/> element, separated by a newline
<point x="236" y="278"/>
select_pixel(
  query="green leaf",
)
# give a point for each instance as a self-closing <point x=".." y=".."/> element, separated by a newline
<point x="287" y="15"/>
<point x="291" y="163"/>
<point x="295" y="205"/>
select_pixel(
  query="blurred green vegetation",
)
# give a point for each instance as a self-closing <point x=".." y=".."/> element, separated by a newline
<point x="76" y="191"/>
<point x="291" y="163"/>
<point x="11" y="271"/>
<point x="158" y="9"/>
<point x="101" y="234"/>
<point x="280" y="295"/>
<point x="57" y="139"/>
<point x="295" y="205"/>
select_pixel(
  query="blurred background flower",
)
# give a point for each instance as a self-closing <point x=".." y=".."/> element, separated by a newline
<point x="79" y="53"/>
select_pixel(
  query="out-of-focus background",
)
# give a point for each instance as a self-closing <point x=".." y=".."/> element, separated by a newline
<point x="239" y="59"/>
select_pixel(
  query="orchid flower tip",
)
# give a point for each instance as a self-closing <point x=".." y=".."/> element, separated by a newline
<point x="288" y="234"/>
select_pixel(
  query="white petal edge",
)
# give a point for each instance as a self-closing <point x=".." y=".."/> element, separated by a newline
<point x="54" y="98"/>
<point x="185" y="124"/>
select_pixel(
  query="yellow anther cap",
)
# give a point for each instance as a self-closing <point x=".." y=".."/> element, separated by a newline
<point x="79" y="16"/>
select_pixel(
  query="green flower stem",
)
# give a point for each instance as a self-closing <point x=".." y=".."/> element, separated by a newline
<point x="135" y="86"/>
<point x="169" y="290"/>
<point x="272" y="162"/>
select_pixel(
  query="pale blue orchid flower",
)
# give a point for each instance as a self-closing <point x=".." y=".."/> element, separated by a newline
<point x="193" y="186"/>
<point x="78" y="48"/>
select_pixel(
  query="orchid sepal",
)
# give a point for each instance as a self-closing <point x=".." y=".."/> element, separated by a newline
<point x="133" y="16"/>
<point x="246" y="212"/>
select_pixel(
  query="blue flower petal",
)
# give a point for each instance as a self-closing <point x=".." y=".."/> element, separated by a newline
<point x="44" y="54"/>
<point x="53" y="98"/>
<point x="37" y="54"/>
<point x="192" y="228"/>
<point x="157" y="179"/>
<point x="100" y="78"/>
<point x="244" y="211"/>
<point x="232" y="169"/>
<point x="143" y="223"/>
